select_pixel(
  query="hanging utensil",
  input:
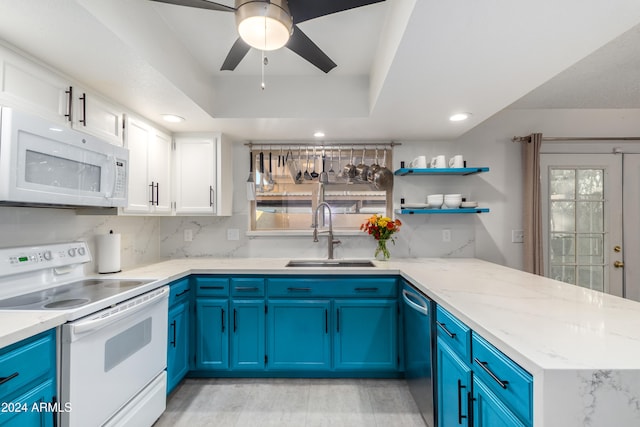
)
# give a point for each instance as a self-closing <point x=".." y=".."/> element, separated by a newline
<point x="349" y="170"/>
<point x="371" y="172"/>
<point x="307" y="175"/>
<point x="341" y="173"/>
<point x="269" y="182"/>
<point x="314" y="174"/>
<point x="331" y="174"/>
<point x="298" y="177"/>
<point x="362" y="168"/>
<point x="251" y="184"/>
<point x="324" y="176"/>
<point x="260" y="181"/>
<point x="383" y="179"/>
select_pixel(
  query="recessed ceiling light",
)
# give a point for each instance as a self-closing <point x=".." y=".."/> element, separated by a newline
<point x="172" y="118"/>
<point x="319" y="134"/>
<point x="459" y="117"/>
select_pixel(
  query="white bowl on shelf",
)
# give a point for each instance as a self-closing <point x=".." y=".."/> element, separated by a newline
<point x="469" y="204"/>
<point x="452" y="201"/>
<point x="435" y="200"/>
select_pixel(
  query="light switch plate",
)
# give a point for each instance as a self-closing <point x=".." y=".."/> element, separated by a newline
<point x="233" y="234"/>
<point x="446" y="235"/>
<point x="188" y="235"/>
<point x="517" y="236"/>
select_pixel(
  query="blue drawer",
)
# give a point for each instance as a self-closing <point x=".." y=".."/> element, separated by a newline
<point x="27" y="361"/>
<point x="179" y="291"/>
<point x="247" y="287"/>
<point x="331" y="287"/>
<point x="212" y="286"/>
<point x="455" y="333"/>
<point x="512" y="384"/>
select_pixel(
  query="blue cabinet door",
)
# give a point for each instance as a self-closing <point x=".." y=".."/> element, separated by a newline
<point x="177" y="345"/>
<point x="32" y="409"/>
<point x="454" y="385"/>
<point x="299" y="335"/>
<point x="365" y="335"/>
<point x="488" y="410"/>
<point x="247" y="334"/>
<point x="212" y="332"/>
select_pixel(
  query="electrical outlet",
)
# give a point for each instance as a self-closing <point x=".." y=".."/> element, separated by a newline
<point x="517" y="236"/>
<point x="188" y="235"/>
<point x="233" y="234"/>
<point x="446" y="235"/>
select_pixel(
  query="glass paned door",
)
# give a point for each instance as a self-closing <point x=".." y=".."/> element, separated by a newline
<point x="582" y="219"/>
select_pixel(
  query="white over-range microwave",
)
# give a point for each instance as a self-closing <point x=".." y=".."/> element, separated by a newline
<point x="45" y="163"/>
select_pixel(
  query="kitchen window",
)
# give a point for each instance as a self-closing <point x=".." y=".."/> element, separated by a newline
<point x="292" y="180"/>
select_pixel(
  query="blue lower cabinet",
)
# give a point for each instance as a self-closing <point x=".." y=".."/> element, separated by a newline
<point x="248" y="334"/>
<point x="177" y="344"/>
<point x="365" y="335"/>
<point x="212" y="334"/>
<point x="489" y="411"/>
<point x="35" y="408"/>
<point x="454" y="387"/>
<point x="299" y="335"/>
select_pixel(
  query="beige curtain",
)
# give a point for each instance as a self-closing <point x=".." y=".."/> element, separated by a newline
<point x="532" y="211"/>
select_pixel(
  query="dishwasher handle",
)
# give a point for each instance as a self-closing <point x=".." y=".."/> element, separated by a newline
<point x="120" y="311"/>
<point x="415" y="302"/>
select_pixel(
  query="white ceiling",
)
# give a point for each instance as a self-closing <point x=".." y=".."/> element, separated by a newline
<point x="403" y="65"/>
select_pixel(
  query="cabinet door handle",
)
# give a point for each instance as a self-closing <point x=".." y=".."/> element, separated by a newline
<point x="235" y="320"/>
<point x="222" y="316"/>
<point x="366" y="289"/>
<point x="173" y="326"/>
<point x="10" y="377"/>
<point x="501" y="383"/>
<point x="211" y="195"/>
<point x="246" y="288"/>
<point x="299" y="289"/>
<point x="152" y="186"/>
<point x="460" y="416"/>
<point x="69" y="93"/>
<point x="326" y="321"/>
<point x="446" y="331"/>
<point x="83" y="98"/>
<point x="218" y="288"/>
<point x="182" y="293"/>
<point x="338" y="320"/>
<point x="157" y="193"/>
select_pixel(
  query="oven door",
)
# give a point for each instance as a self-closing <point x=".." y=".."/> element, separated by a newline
<point x="109" y="358"/>
<point x="45" y="163"/>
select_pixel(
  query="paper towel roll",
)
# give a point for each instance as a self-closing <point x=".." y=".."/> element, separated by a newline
<point x="108" y="253"/>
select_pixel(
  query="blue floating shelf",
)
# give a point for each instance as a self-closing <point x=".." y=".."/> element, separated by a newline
<point x="441" y="211"/>
<point x="440" y="171"/>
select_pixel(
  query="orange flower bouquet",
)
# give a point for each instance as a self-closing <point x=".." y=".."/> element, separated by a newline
<point x="381" y="228"/>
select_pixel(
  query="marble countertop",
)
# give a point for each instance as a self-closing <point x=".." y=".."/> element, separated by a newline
<point x="540" y="323"/>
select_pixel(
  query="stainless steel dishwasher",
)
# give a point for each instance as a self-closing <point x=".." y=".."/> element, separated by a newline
<point x="418" y="350"/>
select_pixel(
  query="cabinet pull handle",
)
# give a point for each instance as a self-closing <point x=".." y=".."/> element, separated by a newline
<point x="151" y="186"/>
<point x="326" y="321"/>
<point x="446" y="331"/>
<point x="69" y="114"/>
<point x="366" y="289"/>
<point x="83" y="98"/>
<point x="235" y="320"/>
<point x="299" y="289"/>
<point x="460" y="416"/>
<point x="157" y="193"/>
<point x="500" y="382"/>
<point x="222" y="316"/>
<point x="338" y="320"/>
<point x="182" y="293"/>
<point x="246" y="288"/>
<point x="10" y="377"/>
<point x="211" y="195"/>
<point x="173" y="341"/>
<point x="212" y="287"/>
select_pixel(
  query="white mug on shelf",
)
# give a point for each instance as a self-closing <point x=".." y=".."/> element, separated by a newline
<point x="456" y="161"/>
<point x="419" y="162"/>
<point x="438" y="162"/>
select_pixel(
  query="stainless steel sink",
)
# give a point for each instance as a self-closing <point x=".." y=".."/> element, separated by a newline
<point x="330" y="263"/>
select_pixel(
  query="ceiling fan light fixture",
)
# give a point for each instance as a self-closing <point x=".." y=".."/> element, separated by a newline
<point x="264" y="25"/>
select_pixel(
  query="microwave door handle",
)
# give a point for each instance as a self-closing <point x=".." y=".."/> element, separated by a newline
<point x="85" y="326"/>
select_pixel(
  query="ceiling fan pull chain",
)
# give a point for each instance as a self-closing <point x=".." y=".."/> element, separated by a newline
<point x="264" y="59"/>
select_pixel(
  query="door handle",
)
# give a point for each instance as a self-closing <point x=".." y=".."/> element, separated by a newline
<point x="618" y="264"/>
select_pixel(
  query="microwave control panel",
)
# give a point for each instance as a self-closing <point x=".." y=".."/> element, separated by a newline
<point x="120" y="190"/>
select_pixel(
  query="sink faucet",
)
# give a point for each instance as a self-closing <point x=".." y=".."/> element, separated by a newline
<point x="331" y="242"/>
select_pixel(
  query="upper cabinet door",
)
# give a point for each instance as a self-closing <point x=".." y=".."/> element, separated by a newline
<point x="32" y="87"/>
<point x="195" y="184"/>
<point x="137" y="141"/>
<point x="160" y="171"/>
<point x="95" y="115"/>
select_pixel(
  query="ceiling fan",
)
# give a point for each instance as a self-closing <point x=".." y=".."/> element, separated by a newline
<point x="272" y="24"/>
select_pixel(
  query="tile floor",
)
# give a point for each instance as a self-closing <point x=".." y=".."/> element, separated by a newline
<point x="291" y="403"/>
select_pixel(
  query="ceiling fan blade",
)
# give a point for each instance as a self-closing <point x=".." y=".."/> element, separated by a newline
<point x="236" y="54"/>
<point x="303" y="46"/>
<point x="304" y="10"/>
<point x="200" y="4"/>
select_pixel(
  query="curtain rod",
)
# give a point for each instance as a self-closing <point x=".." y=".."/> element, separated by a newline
<point x="576" y="138"/>
<point x="322" y="144"/>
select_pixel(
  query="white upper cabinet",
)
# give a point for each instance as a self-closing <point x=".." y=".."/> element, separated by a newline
<point x="149" y="169"/>
<point x="34" y="88"/>
<point x="202" y="179"/>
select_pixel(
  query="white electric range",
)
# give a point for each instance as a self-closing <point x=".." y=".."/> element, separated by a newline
<point x="112" y="350"/>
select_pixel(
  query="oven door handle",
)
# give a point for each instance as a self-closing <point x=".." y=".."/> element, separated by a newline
<point x="113" y="316"/>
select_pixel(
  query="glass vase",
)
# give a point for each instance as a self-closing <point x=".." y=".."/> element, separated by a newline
<point x="382" y="253"/>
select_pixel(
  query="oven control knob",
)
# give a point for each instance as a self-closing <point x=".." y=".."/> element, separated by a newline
<point x="47" y="255"/>
<point x="72" y="252"/>
<point x="81" y="251"/>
